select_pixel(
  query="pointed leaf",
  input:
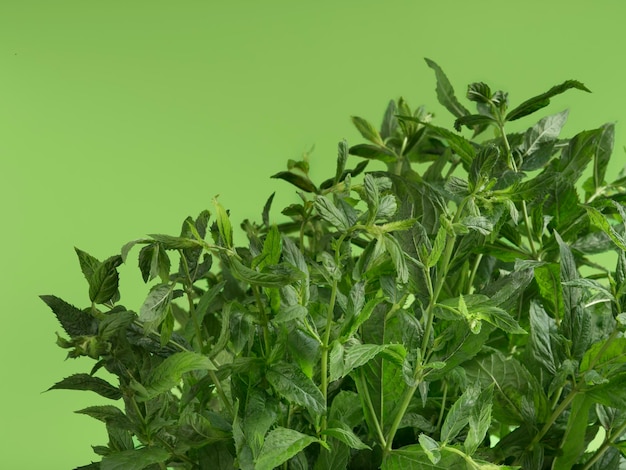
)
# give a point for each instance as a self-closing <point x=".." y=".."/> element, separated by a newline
<point x="291" y="383"/>
<point x="540" y="101"/>
<point x="368" y="131"/>
<point x="136" y="459"/>
<point x="280" y="445"/>
<point x="75" y="322"/>
<point x="299" y="181"/>
<point x="168" y="374"/>
<point x="104" y="281"/>
<point x="445" y="92"/>
<point x="87" y="382"/>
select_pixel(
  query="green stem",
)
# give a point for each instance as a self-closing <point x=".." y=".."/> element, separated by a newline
<point x="466" y="457"/>
<point x="608" y="442"/>
<point x="555" y="414"/>
<point x="264" y="320"/>
<point x="442" y="273"/>
<point x="330" y="315"/>
<point x="370" y="407"/>
<point x="443" y="404"/>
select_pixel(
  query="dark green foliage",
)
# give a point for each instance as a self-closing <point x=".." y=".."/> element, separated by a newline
<point x="443" y="313"/>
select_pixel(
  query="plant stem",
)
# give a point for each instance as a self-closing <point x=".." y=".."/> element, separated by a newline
<point x="330" y="314"/>
<point x="605" y="446"/>
<point x="553" y="417"/>
<point x="264" y="321"/>
<point x="370" y="407"/>
<point x="443" y="404"/>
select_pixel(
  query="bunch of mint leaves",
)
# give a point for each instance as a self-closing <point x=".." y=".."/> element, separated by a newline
<point x="448" y="312"/>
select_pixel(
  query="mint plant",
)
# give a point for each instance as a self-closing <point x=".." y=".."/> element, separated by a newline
<point x="447" y="312"/>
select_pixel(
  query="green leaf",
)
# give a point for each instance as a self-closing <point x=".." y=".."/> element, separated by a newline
<point x="115" y="322"/>
<point x="445" y="92"/>
<point x="540" y="101"/>
<point x="574" y="439"/>
<point x="459" y="144"/>
<point x="280" y="445"/>
<point x="368" y="131"/>
<point x="373" y="152"/>
<point x="168" y="374"/>
<point x="397" y="256"/>
<point x="299" y="181"/>
<point x="342" y="158"/>
<point x="272" y="276"/>
<point x="360" y="354"/>
<point x="540" y="345"/>
<point x="88" y="264"/>
<point x="223" y="224"/>
<point x="479" y="421"/>
<point x="546" y="131"/>
<point x="107" y="413"/>
<point x="459" y="414"/>
<point x="104" y="281"/>
<point x="430" y="447"/>
<point x="330" y="213"/>
<point x="607" y="356"/>
<point x="479" y="92"/>
<point x="291" y="383"/>
<point x="87" y="382"/>
<point x="602" y="154"/>
<point x="438" y="245"/>
<point x="598" y="219"/>
<point x="170" y="242"/>
<point x="154" y="308"/>
<point x="413" y="457"/>
<point x="390" y="123"/>
<point x="474" y="121"/>
<point x="153" y="262"/>
<point x="75" y="322"/>
<point x="136" y="459"/>
<point x="343" y="433"/>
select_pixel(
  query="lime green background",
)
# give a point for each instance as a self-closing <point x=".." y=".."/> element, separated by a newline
<point x="120" y="118"/>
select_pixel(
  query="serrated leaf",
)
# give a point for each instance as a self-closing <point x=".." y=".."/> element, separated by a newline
<point x="153" y="262"/>
<point x="168" y="373"/>
<point x="459" y="144"/>
<point x="540" y="344"/>
<point x="474" y="121"/>
<point x="430" y="447"/>
<point x="104" y="281"/>
<point x="331" y="213"/>
<point x="360" y="354"/>
<point x="280" y="445"/>
<point x="540" y="101"/>
<point x="291" y="383"/>
<point x="445" y="92"/>
<point x="413" y="457"/>
<point x="397" y="256"/>
<point x="223" y="224"/>
<point x="342" y="158"/>
<point x="368" y="131"/>
<point x="88" y="264"/>
<point x="390" y="123"/>
<point x="154" y="308"/>
<point x="136" y="459"/>
<point x="458" y="415"/>
<point x="271" y="276"/>
<point x="574" y="439"/>
<point x="545" y="131"/>
<point x="75" y="322"/>
<point x="598" y="219"/>
<point x="87" y="382"/>
<point x="344" y="434"/>
<point x="479" y="421"/>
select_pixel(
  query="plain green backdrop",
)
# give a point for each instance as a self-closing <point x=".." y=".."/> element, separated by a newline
<point x="120" y="118"/>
